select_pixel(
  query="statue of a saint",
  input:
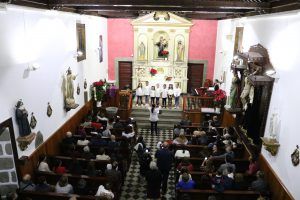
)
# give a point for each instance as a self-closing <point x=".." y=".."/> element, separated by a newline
<point x="141" y="51"/>
<point x="180" y="51"/>
<point x="22" y="119"/>
<point x="234" y="91"/>
<point x="162" y="44"/>
<point x="69" y="90"/>
<point x="246" y="90"/>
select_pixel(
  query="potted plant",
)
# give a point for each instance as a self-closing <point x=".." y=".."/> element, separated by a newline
<point x="153" y="72"/>
<point x="219" y="99"/>
<point x="98" y="91"/>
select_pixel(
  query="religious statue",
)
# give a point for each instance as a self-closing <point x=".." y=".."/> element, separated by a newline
<point x="246" y="90"/>
<point x="141" y="51"/>
<point x="22" y="120"/>
<point x="180" y="51"/>
<point x="69" y="90"/>
<point x="234" y="90"/>
<point x="26" y="136"/>
<point x="162" y="45"/>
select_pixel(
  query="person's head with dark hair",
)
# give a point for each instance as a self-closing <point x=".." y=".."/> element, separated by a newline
<point x="115" y="165"/>
<point x="107" y="186"/>
<point x="260" y="174"/>
<point x="140" y="139"/>
<point x="129" y="129"/>
<point x="219" y="172"/>
<point x="42" y="158"/>
<point x="228" y="159"/>
<point x="63" y="181"/>
<point x="185" y="177"/>
<point x="101" y="151"/>
<point x="184" y="169"/>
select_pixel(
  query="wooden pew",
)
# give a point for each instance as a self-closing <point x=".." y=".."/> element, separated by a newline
<point x="226" y="195"/>
<point x="50" y="196"/>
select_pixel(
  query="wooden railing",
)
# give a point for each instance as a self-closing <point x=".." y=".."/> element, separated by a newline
<point x="195" y="103"/>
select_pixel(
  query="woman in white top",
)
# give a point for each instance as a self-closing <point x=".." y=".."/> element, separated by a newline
<point x="146" y="91"/>
<point x="63" y="186"/>
<point x="170" y="95"/>
<point x="43" y="165"/>
<point x="157" y="93"/>
<point x="102" y="155"/>
<point x="105" y="192"/>
<point x="164" y="96"/>
<point x="139" y="94"/>
<point x="154" y="111"/>
<point x="177" y="93"/>
<point x="152" y="94"/>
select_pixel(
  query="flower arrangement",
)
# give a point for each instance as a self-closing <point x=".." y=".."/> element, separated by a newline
<point x="219" y="97"/>
<point x="153" y="71"/>
<point x="208" y="83"/>
<point x="99" y="90"/>
<point x="165" y="53"/>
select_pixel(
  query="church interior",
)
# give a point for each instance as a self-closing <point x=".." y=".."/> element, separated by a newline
<point x="128" y="100"/>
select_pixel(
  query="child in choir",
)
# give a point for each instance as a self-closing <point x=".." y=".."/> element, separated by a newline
<point x="146" y="91"/>
<point x="139" y="94"/>
<point x="164" y="95"/>
<point x="157" y="93"/>
<point x="152" y="95"/>
<point x="170" y="95"/>
<point x="177" y="93"/>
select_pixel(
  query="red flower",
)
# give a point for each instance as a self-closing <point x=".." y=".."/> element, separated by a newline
<point x="99" y="83"/>
<point x="219" y="96"/>
<point x="153" y="71"/>
<point x="165" y="53"/>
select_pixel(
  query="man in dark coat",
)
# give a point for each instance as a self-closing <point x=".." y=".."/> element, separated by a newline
<point x="164" y="163"/>
<point x="153" y="178"/>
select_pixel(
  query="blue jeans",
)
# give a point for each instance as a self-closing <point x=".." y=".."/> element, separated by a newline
<point x="177" y="101"/>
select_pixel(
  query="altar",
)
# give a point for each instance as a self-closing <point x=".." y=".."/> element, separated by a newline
<point x="161" y="41"/>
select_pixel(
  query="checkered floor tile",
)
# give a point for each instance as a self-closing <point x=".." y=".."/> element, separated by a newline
<point x="134" y="188"/>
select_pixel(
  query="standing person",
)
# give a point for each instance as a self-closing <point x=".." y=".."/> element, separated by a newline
<point x="164" y="95"/>
<point x="139" y="94"/>
<point x="153" y="178"/>
<point x="170" y="95"/>
<point x="157" y="93"/>
<point x="177" y="93"/>
<point x="146" y="91"/>
<point x="164" y="162"/>
<point x="154" y="111"/>
<point x="152" y="94"/>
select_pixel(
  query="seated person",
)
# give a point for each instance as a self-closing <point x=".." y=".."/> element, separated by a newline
<point x="218" y="182"/>
<point x="68" y="140"/>
<point x="228" y="164"/>
<point x="176" y="130"/>
<point x="228" y="151"/>
<point x="182" y="153"/>
<point x="91" y="169"/>
<point x="207" y="165"/>
<point x="215" y="122"/>
<point x="98" y="141"/>
<point x="253" y="166"/>
<point x="42" y="185"/>
<point x="239" y="182"/>
<point x="43" y="164"/>
<point x="81" y="188"/>
<point x="114" y="176"/>
<point x="26" y="184"/>
<point x="202" y="138"/>
<point x="259" y="184"/>
<point x="101" y="117"/>
<point x="185" y="183"/>
<point x="129" y="132"/>
<point x="63" y="186"/>
<point x="182" y="171"/>
<point x="110" y="123"/>
<point x="87" y="154"/>
<point x="228" y="178"/>
<point x="87" y="123"/>
<point x="106" y="132"/>
<point x="105" y="192"/>
<point x="102" y="155"/>
<point x="186" y="121"/>
<point x="75" y="167"/>
<point x="181" y="139"/>
<point x="83" y="141"/>
<point x="96" y="125"/>
<point x="113" y="144"/>
<point x="59" y="168"/>
<point x="185" y="163"/>
<point x="118" y="124"/>
<point x="215" y="150"/>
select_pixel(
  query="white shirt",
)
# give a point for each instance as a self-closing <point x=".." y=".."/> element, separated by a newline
<point x="128" y="135"/>
<point x="164" y="93"/>
<point x="102" y="157"/>
<point x="170" y="92"/>
<point x="104" y="192"/>
<point x="177" y="92"/>
<point x="83" y="142"/>
<point x="154" y="116"/>
<point x="180" y="154"/>
<point x="157" y="92"/>
<point x="44" y="167"/>
<point x="152" y="93"/>
<point x="146" y="90"/>
<point x="68" y="189"/>
<point x="139" y="91"/>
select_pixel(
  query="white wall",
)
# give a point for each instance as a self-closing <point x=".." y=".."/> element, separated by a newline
<point x="280" y="34"/>
<point x="48" y="38"/>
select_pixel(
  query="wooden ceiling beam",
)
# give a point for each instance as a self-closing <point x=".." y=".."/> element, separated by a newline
<point x="166" y="4"/>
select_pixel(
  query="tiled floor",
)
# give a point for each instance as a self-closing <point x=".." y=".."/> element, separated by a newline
<point x="134" y="188"/>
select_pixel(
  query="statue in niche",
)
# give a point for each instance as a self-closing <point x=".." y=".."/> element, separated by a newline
<point x="141" y="51"/>
<point x="69" y="90"/>
<point x="180" y="51"/>
<point x="26" y="136"/>
<point x="162" y="45"/>
<point x="246" y="90"/>
<point x="234" y="91"/>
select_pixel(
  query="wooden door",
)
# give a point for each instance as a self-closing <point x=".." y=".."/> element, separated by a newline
<point x="125" y="74"/>
<point x="195" y="76"/>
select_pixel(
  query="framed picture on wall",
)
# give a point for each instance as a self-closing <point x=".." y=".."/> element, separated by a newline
<point x="100" y="49"/>
<point x="81" y="42"/>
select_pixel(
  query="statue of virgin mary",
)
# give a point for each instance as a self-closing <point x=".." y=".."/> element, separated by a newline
<point x="69" y="90"/>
